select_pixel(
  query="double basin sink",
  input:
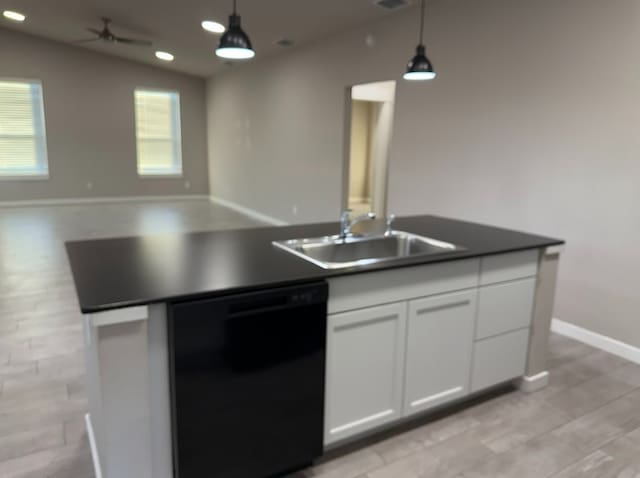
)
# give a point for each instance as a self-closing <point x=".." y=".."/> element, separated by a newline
<point x="336" y="252"/>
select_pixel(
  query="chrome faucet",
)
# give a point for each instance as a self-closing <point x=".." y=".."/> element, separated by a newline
<point x="346" y="224"/>
<point x="389" y="230"/>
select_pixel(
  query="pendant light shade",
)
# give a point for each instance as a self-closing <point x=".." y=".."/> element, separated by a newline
<point x="235" y="43"/>
<point x="420" y="68"/>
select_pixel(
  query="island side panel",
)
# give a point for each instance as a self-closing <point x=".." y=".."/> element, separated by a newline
<point x="127" y="375"/>
<point x="160" y="392"/>
<point x="93" y="419"/>
<point x="537" y="375"/>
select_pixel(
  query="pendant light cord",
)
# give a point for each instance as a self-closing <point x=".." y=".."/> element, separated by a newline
<point x="234" y="7"/>
<point x="422" y="9"/>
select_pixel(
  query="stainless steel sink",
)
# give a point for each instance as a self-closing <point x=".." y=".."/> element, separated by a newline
<point x="334" y="252"/>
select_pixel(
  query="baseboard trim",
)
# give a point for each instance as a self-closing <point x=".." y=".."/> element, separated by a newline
<point x="97" y="469"/>
<point x="101" y="200"/>
<point x="602" y="342"/>
<point x="252" y="213"/>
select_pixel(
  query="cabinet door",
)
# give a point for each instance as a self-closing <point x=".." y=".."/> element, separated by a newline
<point x="440" y="334"/>
<point x="365" y="363"/>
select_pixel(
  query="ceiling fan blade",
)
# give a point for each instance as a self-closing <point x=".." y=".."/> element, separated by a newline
<point x="133" y="41"/>
<point x="87" y="40"/>
<point x="94" y="31"/>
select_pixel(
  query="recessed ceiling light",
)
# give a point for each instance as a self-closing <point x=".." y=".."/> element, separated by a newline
<point x="164" y="56"/>
<point x="213" y="27"/>
<point x="15" y="16"/>
<point x="284" y="42"/>
<point x="392" y="4"/>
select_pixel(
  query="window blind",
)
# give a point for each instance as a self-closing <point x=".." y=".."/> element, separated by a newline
<point x="158" y="137"/>
<point x="23" y="144"/>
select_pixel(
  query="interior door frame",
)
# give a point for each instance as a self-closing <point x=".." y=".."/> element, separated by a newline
<point x="346" y="147"/>
<point x="346" y="150"/>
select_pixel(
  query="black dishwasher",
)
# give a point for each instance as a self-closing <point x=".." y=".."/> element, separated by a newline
<point x="247" y="382"/>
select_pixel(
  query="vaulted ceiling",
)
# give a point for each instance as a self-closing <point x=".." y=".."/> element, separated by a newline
<point x="174" y="25"/>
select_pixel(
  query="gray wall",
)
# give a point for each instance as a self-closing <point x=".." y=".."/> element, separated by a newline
<point x="89" y="117"/>
<point x="531" y="124"/>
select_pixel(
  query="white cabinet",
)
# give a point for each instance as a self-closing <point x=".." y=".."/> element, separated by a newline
<point x="403" y="341"/>
<point x="439" y="347"/>
<point x="504" y="267"/>
<point x="395" y="285"/>
<point x="505" y="310"/>
<point x="365" y="367"/>
<point x="505" y="307"/>
<point x="499" y="359"/>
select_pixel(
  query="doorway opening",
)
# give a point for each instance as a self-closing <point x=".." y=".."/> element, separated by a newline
<point x="370" y="126"/>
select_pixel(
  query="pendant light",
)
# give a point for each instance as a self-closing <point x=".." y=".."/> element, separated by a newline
<point x="235" y="44"/>
<point x="420" y="68"/>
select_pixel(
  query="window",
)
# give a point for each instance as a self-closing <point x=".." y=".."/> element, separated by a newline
<point x="158" y="137"/>
<point x="23" y="142"/>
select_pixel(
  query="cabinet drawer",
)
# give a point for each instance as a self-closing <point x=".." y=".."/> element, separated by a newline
<point x="394" y="285"/>
<point x="504" y="267"/>
<point x="499" y="359"/>
<point x="504" y="307"/>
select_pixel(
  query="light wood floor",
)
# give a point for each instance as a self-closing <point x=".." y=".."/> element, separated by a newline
<point x="585" y="424"/>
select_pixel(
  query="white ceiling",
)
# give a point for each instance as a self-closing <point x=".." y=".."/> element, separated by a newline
<point x="174" y="25"/>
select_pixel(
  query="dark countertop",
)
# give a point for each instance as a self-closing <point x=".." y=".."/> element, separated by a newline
<point x="130" y="271"/>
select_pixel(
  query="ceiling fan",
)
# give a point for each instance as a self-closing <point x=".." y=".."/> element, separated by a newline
<point x="107" y="36"/>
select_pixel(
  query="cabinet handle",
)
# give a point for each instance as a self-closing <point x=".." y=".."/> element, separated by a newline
<point x="436" y="308"/>
<point x="365" y="322"/>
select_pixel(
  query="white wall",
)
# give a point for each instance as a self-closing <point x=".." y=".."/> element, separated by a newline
<point x="532" y="124"/>
<point x="89" y="117"/>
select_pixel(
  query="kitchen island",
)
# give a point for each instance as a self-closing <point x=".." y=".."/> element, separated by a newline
<point x="403" y="337"/>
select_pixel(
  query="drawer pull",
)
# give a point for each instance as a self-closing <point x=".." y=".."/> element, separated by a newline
<point x="436" y="308"/>
<point x="365" y="322"/>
